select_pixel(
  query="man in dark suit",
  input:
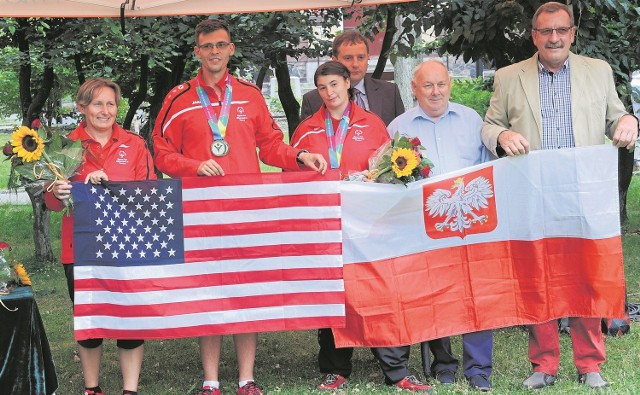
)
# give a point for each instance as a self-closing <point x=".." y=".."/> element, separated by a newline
<point x="380" y="97"/>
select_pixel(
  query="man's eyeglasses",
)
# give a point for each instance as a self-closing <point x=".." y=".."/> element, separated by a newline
<point x="562" y="31"/>
<point x="209" y="46"/>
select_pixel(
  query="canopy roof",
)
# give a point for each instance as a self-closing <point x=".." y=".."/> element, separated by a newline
<point x="135" y="8"/>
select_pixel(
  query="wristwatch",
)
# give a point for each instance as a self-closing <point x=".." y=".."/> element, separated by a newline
<point x="303" y="151"/>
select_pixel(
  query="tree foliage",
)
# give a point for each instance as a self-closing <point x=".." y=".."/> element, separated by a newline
<point x="500" y="32"/>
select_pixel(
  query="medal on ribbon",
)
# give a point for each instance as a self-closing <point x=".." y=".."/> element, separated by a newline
<point x="220" y="147"/>
<point x="336" y="140"/>
<point x="218" y="125"/>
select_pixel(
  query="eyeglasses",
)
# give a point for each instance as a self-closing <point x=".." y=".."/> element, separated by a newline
<point x="209" y="46"/>
<point x="562" y="31"/>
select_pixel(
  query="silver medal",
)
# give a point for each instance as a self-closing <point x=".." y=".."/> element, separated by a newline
<point x="220" y="148"/>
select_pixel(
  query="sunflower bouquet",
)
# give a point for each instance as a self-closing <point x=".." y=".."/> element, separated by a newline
<point x="36" y="161"/>
<point x="399" y="161"/>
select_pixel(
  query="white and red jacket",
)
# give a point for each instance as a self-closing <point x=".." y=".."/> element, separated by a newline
<point x="182" y="137"/>
<point x="366" y="133"/>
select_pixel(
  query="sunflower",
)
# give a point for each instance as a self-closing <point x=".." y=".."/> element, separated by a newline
<point x="22" y="273"/>
<point x="403" y="161"/>
<point x="27" y="144"/>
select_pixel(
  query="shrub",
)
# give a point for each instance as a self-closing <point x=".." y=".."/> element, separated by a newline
<point x="474" y="93"/>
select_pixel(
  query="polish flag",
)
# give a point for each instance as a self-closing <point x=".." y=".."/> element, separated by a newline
<point x="515" y="241"/>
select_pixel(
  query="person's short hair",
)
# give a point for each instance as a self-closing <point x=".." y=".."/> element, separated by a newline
<point x="551" y="7"/>
<point x="209" y="26"/>
<point x="433" y="60"/>
<point x="331" y="67"/>
<point x="88" y="89"/>
<point x="350" y="37"/>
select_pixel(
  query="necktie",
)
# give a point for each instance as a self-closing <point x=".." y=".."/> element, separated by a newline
<point x="360" y="98"/>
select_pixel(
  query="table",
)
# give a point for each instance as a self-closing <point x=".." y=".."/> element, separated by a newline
<point x="26" y="365"/>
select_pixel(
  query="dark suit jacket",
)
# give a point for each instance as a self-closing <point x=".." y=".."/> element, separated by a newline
<point x="383" y="97"/>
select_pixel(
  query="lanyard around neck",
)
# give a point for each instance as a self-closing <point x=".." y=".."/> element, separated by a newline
<point x="218" y="125"/>
<point x="336" y="140"/>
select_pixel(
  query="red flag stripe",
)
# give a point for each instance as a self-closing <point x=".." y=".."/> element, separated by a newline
<point x="211" y="305"/>
<point x="204" y="280"/>
<point x="259" y="179"/>
<point x="300" y="323"/>
<point x="264" y="252"/>
<point x="260" y="203"/>
<point x="443" y="286"/>
<point x="289" y="225"/>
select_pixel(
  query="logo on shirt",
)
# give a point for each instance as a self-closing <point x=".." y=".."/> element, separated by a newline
<point x="122" y="157"/>
<point x="461" y="206"/>
<point x="358" y="135"/>
<point x="240" y="115"/>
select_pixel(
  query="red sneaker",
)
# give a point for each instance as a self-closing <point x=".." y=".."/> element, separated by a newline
<point x="251" y="388"/>
<point x="332" y="382"/>
<point x="411" y="383"/>
<point x="206" y="390"/>
<point x="93" y="391"/>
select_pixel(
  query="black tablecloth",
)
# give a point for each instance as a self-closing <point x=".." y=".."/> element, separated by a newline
<point x="26" y="365"/>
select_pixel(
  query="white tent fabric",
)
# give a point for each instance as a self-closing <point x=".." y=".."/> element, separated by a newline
<point x="138" y="8"/>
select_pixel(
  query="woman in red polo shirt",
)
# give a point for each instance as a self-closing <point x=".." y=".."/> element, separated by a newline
<point x="111" y="154"/>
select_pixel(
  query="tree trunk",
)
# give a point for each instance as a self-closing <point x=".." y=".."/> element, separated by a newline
<point x="77" y="62"/>
<point x="41" y="221"/>
<point x="387" y="43"/>
<point x="35" y="108"/>
<point x="262" y="73"/>
<point x="164" y="81"/>
<point x="285" y="94"/>
<point x="139" y="97"/>
<point x="403" y="75"/>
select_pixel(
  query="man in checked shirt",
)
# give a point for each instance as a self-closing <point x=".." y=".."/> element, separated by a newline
<point x="555" y="100"/>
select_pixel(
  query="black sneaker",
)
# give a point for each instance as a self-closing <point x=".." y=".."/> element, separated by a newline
<point x="480" y="382"/>
<point x="446" y="377"/>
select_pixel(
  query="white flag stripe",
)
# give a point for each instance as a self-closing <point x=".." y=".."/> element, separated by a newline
<point x="206" y="293"/>
<point x="554" y="189"/>
<point x="208" y="267"/>
<point x="210" y="318"/>
<point x="260" y="190"/>
<point x="262" y="240"/>
<point x="273" y="214"/>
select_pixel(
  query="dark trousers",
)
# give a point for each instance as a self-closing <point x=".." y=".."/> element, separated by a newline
<point x="477" y="355"/>
<point x="338" y="360"/>
<point x="331" y="359"/>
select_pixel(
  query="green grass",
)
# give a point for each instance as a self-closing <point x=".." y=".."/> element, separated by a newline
<point x="286" y="362"/>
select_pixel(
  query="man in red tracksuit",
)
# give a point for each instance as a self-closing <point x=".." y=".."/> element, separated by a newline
<point x="212" y="126"/>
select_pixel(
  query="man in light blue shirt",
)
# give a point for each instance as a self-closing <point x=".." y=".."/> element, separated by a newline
<point x="450" y="133"/>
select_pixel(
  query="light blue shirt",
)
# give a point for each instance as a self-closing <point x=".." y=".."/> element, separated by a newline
<point x="452" y="142"/>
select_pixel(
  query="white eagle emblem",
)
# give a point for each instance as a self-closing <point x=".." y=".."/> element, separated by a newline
<point x="459" y="207"/>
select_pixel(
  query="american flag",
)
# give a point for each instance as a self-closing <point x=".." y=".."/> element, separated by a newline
<point x="207" y="255"/>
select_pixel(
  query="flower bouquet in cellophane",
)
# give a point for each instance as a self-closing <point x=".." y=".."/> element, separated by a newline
<point x="36" y="161"/>
<point x="398" y="161"/>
